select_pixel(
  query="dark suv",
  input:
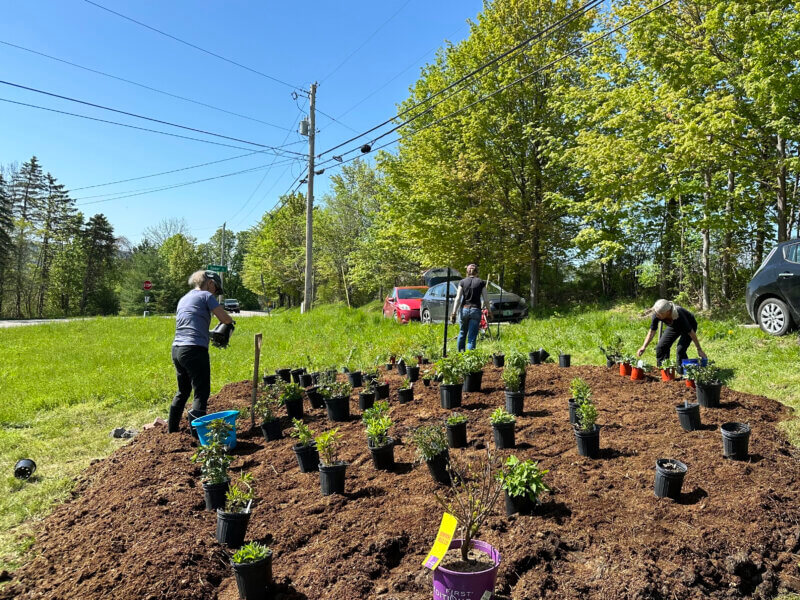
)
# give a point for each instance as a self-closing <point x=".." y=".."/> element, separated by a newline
<point x="773" y="294"/>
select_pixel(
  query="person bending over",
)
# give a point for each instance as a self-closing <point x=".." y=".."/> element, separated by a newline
<point x="681" y="326"/>
<point x="190" y="346"/>
<point x="471" y="292"/>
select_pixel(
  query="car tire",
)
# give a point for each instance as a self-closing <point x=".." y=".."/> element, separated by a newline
<point x="395" y="317"/>
<point x="426" y="316"/>
<point x="774" y="317"/>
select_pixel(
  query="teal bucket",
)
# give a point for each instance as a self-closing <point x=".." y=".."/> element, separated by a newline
<point x="201" y="426"/>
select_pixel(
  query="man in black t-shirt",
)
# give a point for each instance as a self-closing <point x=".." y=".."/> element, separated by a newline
<point x="471" y="292"/>
<point x="681" y="326"/>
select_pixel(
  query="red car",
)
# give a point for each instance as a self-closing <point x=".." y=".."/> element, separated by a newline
<point x="403" y="303"/>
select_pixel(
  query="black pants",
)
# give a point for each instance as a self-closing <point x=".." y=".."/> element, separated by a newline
<point x="194" y="373"/>
<point x="665" y="342"/>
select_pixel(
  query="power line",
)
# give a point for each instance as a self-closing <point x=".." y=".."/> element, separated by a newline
<point x="335" y="120"/>
<point x="175" y="135"/>
<point x="177" y="39"/>
<point x="554" y="26"/>
<point x="141" y="85"/>
<point x="137" y="116"/>
<point x="364" y="43"/>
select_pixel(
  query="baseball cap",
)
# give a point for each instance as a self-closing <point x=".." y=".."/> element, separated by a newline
<point x="214" y="276"/>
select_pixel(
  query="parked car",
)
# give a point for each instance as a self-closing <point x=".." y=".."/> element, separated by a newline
<point x="231" y="305"/>
<point x="505" y="305"/>
<point x="773" y="294"/>
<point x="403" y="303"/>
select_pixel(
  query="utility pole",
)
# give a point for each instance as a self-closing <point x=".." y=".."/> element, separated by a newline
<point x="310" y="200"/>
<point x="222" y="254"/>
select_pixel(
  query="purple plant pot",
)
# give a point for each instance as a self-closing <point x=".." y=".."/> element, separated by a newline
<point x="470" y="586"/>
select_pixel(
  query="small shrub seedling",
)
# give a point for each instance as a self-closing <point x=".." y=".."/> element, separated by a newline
<point x="501" y="417"/>
<point x="580" y="390"/>
<point x="451" y="368"/>
<point x="267" y="405"/>
<point x="213" y="458"/>
<point x="337" y="389"/>
<point x="516" y="360"/>
<point x="455" y="419"/>
<point x="473" y="361"/>
<point x="378" y="410"/>
<point x="586" y="414"/>
<point x="240" y="495"/>
<point x="405" y="384"/>
<point x="250" y="553"/>
<point x="430" y="440"/>
<point x="512" y="377"/>
<point x="303" y="433"/>
<point x="328" y="445"/>
<point x="378" y="431"/>
<point x="612" y="348"/>
<point x="291" y="392"/>
<point x="523" y="478"/>
<point x="705" y="376"/>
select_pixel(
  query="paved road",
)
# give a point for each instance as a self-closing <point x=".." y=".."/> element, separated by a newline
<point x="23" y="322"/>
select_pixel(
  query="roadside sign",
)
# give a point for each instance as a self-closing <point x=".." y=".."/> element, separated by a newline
<point x="148" y="285"/>
<point x="218" y="268"/>
<point x="146" y="299"/>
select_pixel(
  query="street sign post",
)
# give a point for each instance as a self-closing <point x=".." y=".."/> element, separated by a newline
<point x="147" y="299"/>
<point x="148" y="285"/>
<point x="218" y="268"/>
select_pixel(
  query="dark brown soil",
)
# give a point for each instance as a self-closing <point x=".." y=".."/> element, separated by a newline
<point x="136" y="527"/>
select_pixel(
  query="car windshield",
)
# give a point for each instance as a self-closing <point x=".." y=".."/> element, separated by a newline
<point x="231" y="301"/>
<point x="493" y="288"/>
<point x="410" y="294"/>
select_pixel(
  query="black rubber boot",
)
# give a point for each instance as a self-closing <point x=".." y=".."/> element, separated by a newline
<point x="174" y="422"/>
<point x="192" y="415"/>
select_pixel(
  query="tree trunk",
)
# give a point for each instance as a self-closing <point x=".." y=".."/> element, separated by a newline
<point x="705" y="260"/>
<point x="781" y="190"/>
<point x="665" y="283"/>
<point x="727" y="251"/>
<point x="535" y="268"/>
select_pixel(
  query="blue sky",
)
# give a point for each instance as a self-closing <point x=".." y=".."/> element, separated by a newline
<point x="364" y="55"/>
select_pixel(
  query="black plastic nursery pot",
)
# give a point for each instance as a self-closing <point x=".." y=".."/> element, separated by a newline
<point x="708" y="395"/>
<point x="331" y="478"/>
<point x="306" y="379"/>
<point x="735" y="440"/>
<point x="573" y="412"/>
<point x="515" y="402"/>
<point x="438" y="467"/>
<point x="450" y="395"/>
<point x="669" y="478"/>
<point x="285" y="374"/>
<point x="533" y="358"/>
<point x="296" y="374"/>
<point x="366" y="400"/>
<point x="24" y="468"/>
<point x="504" y="435"/>
<point x="315" y="378"/>
<point x="457" y="435"/>
<point x="253" y="579"/>
<point x="367" y="377"/>
<point x="588" y="442"/>
<point x="519" y="505"/>
<point x="472" y="381"/>
<point x="382" y="391"/>
<point x="610" y="363"/>
<point x="232" y="527"/>
<point x="355" y="379"/>
<point x="412" y="373"/>
<point x="563" y="360"/>
<point x="270" y="379"/>
<point x="689" y="416"/>
<point x="426" y="382"/>
<point x="272" y="430"/>
<point x="383" y="456"/>
<point x="215" y="494"/>
<point x="389" y="366"/>
<point x="307" y="457"/>
<point x="314" y="397"/>
<point x="406" y="395"/>
<point x="294" y="408"/>
<point x="401" y="368"/>
<point x="543" y="355"/>
<point x="499" y="360"/>
<point x="338" y="408"/>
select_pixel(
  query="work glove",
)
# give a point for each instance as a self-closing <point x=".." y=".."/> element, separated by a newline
<point x="221" y="335"/>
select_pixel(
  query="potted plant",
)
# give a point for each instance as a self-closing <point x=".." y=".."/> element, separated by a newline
<point x="708" y="381"/>
<point x="535" y="357"/>
<point x="667" y="369"/>
<point x="689" y="415"/>
<point x="305" y="450"/>
<point x="625" y="365"/>
<point x="638" y="371"/>
<point x="266" y="409"/>
<point x="214" y="462"/>
<point x="456" y="427"/>
<point x="669" y="478"/>
<point x="337" y="400"/>
<point x="427" y="375"/>
<point x="331" y="470"/>
<point x="366" y="397"/>
<point x="284" y="373"/>
<point x="474" y="491"/>
<point x="252" y="565"/>
<point x="269" y="379"/>
<point x="612" y="350"/>
<point x="515" y="395"/>
<point x="381" y="388"/>
<point x="292" y="398"/>
<point x="503" y="428"/>
<point x="517" y="360"/>
<point x="498" y="357"/>
<point x="381" y="446"/>
<point x="580" y="391"/>
<point x="450" y="369"/>
<point x="232" y="520"/>
<point x="378" y="410"/>
<point x="735" y="440"/>
<point x="406" y="392"/>
<point x="523" y="483"/>
<point x="354" y="377"/>
<point x="296" y="373"/>
<point x="587" y="433"/>
<point x="412" y="368"/>
<point x="563" y="360"/>
<point x="431" y="444"/>
<point x="400" y="365"/>
<point x="472" y="365"/>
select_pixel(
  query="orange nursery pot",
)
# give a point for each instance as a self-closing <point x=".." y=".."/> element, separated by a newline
<point x="625" y="369"/>
<point x="637" y="374"/>
<point x="667" y="375"/>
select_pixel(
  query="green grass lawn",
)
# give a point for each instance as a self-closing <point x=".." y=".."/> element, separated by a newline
<point x="64" y="386"/>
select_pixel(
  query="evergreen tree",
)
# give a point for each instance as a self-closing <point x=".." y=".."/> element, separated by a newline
<point x="26" y="195"/>
<point x="6" y="230"/>
<point x="98" y="246"/>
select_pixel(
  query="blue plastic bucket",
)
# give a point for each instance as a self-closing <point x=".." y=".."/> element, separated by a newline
<point x="703" y="362"/>
<point x="201" y="426"/>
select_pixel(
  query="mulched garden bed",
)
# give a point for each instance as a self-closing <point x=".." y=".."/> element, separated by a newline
<point x="136" y="527"/>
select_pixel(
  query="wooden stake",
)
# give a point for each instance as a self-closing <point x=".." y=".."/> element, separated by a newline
<point x="256" y="362"/>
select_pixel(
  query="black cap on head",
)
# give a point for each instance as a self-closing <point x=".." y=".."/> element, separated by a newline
<point x="214" y="276"/>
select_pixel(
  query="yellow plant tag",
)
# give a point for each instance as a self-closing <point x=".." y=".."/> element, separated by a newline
<point x="442" y="544"/>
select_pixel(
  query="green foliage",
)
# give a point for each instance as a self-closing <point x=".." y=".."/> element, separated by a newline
<point x="473" y="361"/>
<point x="451" y="368"/>
<point x="240" y="494"/>
<point x="291" y="392"/>
<point x="302" y="432"/>
<point x="523" y="478"/>
<point x="455" y="419"/>
<point x="612" y="347"/>
<point x="500" y="417"/>
<point x="516" y="360"/>
<point x="586" y="414"/>
<point x="405" y="384"/>
<point x="430" y="440"/>
<point x="336" y="389"/>
<point x="376" y="411"/>
<point x="708" y="375"/>
<point x="213" y="457"/>
<point x="580" y="390"/>
<point x="250" y="553"/>
<point x="328" y="445"/>
<point x="267" y="404"/>
<point x="512" y="377"/>
<point x="378" y="431"/>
